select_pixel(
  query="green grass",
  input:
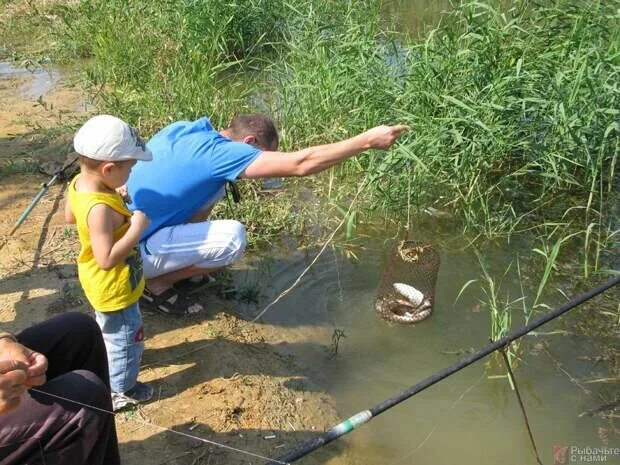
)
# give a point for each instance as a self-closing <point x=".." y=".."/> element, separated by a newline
<point x="266" y="216"/>
<point x="19" y="166"/>
<point x="513" y="108"/>
<point x="514" y="113"/>
<point x="152" y="62"/>
<point x="24" y="29"/>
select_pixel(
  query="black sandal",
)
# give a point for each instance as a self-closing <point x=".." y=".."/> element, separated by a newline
<point x="190" y="286"/>
<point x="170" y="302"/>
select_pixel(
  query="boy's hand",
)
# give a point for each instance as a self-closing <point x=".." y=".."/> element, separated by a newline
<point x="124" y="193"/>
<point x="108" y="252"/>
<point x="139" y="221"/>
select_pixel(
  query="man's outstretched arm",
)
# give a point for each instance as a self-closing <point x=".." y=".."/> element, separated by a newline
<point x="318" y="158"/>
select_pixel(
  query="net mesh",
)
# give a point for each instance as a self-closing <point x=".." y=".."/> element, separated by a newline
<point x="413" y="263"/>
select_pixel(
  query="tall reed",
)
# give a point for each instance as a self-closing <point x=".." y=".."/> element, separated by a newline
<point x="153" y="62"/>
<point x="514" y="111"/>
<point x="513" y="108"/>
<point x="506" y="113"/>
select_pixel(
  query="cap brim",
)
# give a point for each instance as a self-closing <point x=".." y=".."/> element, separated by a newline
<point x="142" y="155"/>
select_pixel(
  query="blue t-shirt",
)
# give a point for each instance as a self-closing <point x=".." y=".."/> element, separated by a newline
<point x="191" y="162"/>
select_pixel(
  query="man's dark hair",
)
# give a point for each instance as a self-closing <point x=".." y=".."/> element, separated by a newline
<point x="256" y="124"/>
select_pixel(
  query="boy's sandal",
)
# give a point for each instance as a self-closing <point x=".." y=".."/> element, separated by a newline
<point x="170" y="302"/>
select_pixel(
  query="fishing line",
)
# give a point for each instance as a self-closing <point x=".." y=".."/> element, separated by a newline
<point x="364" y="416"/>
<point x="409" y="203"/>
<point x="513" y="381"/>
<point x="162" y="428"/>
<point x="454" y="404"/>
<point x="318" y="255"/>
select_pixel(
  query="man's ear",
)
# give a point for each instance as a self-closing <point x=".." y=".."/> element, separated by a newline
<point x="251" y="140"/>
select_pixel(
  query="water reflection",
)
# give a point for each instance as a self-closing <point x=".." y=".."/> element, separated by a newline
<point x="415" y="16"/>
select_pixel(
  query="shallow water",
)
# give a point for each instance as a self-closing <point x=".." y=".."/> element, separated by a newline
<point x="467" y="418"/>
<point x="415" y="15"/>
<point x="43" y="80"/>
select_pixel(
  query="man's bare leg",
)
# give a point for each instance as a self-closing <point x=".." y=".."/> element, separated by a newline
<point x="160" y="284"/>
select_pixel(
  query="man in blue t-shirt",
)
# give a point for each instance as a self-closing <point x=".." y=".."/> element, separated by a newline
<point x="177" y="190"/>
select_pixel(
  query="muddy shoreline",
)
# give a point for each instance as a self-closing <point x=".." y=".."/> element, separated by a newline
<point x="216" y="375"/>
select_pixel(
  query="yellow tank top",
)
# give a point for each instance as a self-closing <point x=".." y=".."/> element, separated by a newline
<point x="106" y="290"/>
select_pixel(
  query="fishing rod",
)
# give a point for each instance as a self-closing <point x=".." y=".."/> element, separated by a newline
<point x="40" y="195"/>
<point x="366" y="415"/>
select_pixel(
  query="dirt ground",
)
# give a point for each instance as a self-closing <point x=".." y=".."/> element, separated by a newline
<point x="215" y="375"/>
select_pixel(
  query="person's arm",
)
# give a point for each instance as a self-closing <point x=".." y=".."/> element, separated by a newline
<point x="69" y="216"/>
<point x="318" y="158"/>
<point x="101" y="227"/>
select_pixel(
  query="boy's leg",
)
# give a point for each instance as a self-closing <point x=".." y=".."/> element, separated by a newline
<point x="123" y="334"/>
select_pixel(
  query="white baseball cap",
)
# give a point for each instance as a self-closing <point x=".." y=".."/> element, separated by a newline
<point x="108" y="138"/>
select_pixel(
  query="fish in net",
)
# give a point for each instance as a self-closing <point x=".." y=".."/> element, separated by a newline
<point x="406" y="290"/>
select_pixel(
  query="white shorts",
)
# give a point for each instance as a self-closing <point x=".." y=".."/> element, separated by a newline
<point x="209" y="244"/>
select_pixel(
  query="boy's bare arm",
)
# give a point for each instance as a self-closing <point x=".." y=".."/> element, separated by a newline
<point x="101" y="225"/>
<point x="69" y="217"/>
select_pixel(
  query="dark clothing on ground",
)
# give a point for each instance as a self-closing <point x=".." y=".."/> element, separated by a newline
<point x="48" y="431"/>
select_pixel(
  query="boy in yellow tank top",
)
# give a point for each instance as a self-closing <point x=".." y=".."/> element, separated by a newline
<point x="109" y="263"/>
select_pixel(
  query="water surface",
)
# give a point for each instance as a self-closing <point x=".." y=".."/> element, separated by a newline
<point x="469" y="418"/>
<point x="415" y="16"/>
<point x="41" y="82"/>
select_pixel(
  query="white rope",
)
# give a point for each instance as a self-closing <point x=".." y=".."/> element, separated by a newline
<point x="162" y="428"/>
<point x="329" y="239"/>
